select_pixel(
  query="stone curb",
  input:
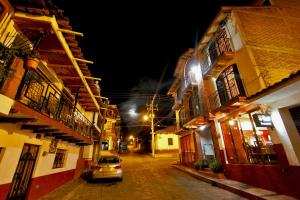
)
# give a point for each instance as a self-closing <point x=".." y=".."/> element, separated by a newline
<point x="259" y="194"/>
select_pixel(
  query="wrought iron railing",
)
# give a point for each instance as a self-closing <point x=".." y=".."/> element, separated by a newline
<point x="37" y="92"/>
<point x="223" y="96"/>
<point x="217" y="49"/>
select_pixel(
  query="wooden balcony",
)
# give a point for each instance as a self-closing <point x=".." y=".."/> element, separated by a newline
<point x="226" y="100"/>
<point x="219" y="56"/>
<point x="41" y="107"/>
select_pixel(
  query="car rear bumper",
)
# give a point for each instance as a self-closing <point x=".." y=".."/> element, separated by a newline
<point x="116" y="174"/>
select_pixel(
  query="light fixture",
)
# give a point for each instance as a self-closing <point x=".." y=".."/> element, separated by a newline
<point x="202" y="128"/>
<point x="195" y="73"/>
<point x="146" y="118"/>
<point x="231" y="122"/>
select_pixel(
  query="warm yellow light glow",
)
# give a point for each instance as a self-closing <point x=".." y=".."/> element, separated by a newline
<point x="130" y="137"/>
<point x="146" y="117"/>
<point x="231" y="122"/>
<point x="202" y="128"/>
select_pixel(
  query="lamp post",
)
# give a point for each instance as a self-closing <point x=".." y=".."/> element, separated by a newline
<point x="151" y="116"/>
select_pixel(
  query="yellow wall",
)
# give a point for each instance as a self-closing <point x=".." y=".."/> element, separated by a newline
<point x="162" y="142"/>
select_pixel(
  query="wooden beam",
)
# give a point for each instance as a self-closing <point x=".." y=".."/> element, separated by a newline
<point x="69" y="77"/>
<point x="58" y="65"/>
<point x="70" y="32"/>
<point x="46" y="130"/>
<point x="53" y="134"/>
<point x="57" y="51"/>
<point x="16" y="120"/>
<point x="33" y="126"/>
<point x="85" y="61"/>
<point x="93" y="78"/>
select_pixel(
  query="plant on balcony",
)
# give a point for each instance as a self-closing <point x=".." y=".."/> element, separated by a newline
<point x="216" y="167"/>
<point x="44" y="60"/>
<point x="6" y="56"/>
<point x="33" y="59"/>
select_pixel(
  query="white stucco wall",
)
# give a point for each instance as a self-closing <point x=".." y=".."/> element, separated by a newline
<point x="12" y="139"/>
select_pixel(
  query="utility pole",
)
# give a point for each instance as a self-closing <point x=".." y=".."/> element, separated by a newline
<point x="150" y="109"/>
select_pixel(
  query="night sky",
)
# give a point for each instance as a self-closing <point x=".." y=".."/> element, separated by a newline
<point x="132" y="43"/>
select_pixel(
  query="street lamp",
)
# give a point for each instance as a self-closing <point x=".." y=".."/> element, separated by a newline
<point x="151" y="117"/>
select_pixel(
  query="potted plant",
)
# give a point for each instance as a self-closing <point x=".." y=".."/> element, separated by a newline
<point x="33" y="60"/>
<point x="198" y="165"/>
<point x="216" y="167"/>
<point x="6" y="56"/>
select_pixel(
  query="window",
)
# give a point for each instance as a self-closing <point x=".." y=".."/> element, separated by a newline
<point x="229" y="84"/>
<point x="1" y="153"/>
<point x="295" y="112"/>
<point x="109" y="159"/>
<point x="59" y="158"/>
<point x="170" y="141"/>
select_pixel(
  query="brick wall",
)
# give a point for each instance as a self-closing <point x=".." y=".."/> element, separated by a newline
<point x="273" y="37"/>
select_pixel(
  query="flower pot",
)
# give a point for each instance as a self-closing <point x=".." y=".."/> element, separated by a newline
<point x="32" y="63"/>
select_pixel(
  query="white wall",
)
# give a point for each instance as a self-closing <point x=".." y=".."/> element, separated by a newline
<point x="12" y="138"/>
<point x="234" y="34"/>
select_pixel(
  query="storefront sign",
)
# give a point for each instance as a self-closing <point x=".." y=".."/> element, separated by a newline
<point x="262" y="120"/>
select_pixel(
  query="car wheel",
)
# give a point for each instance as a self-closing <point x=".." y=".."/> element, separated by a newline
<point x="120" y="179"/>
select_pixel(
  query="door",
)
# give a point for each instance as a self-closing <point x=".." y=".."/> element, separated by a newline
<point x="23" y="174"/>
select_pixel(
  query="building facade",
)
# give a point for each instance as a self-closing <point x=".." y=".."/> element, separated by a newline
<point x="50" y="119"/>
<point x="111" y="134"/>
<point x="196" y="131"/>
<point x="167" y="142"/>
<point x="250" y="67"/>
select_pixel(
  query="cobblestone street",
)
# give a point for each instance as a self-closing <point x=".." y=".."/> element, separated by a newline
<point x="144" y="178"/>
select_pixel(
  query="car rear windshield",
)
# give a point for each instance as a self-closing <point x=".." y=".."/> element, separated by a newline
<point x="108" y="160"/>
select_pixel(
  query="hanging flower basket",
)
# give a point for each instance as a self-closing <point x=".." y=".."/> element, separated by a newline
<point x="32" y="63"/>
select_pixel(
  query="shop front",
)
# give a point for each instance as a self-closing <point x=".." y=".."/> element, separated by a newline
<point x="254" y="154"/>
<point x="248" y="140"/>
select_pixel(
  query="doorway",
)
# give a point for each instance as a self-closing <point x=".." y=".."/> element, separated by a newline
<point x="23" y="174"/>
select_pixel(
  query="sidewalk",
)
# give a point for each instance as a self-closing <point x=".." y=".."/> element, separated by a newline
<point x="236" y="187"/>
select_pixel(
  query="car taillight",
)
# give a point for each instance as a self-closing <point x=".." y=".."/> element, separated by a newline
<point x="95" y="167"/>
<point x="118" y="167"/>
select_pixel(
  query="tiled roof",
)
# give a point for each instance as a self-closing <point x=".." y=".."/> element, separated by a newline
<point x="275" y="85"/>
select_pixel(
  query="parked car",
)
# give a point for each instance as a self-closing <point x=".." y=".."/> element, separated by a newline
<point x="123" y="147"/>
<point x="108" y="166"/>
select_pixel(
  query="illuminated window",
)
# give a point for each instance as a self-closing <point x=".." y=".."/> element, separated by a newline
<point x="170" y="141"/>
<point x="59" y="158"/>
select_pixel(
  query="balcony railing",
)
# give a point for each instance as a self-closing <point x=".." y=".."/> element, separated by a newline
<point x="38" y="93"/>
<point x="224" y="96"/>
<point x="217" y="49"/>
